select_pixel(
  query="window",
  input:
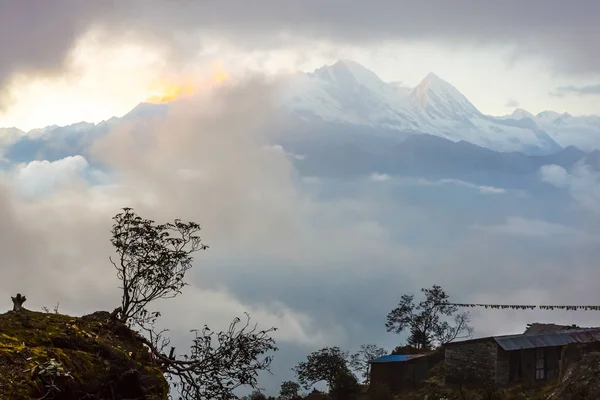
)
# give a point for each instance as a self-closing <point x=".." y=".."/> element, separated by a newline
<point x="540" y="364"/>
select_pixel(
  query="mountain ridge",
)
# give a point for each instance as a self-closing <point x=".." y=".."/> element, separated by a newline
<point x="347" y="93"/>
<point x="346" y="96"/>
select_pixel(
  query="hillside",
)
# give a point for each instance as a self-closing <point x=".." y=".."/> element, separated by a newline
<point x="428" y="156"/>
<point x="55" y="356"/>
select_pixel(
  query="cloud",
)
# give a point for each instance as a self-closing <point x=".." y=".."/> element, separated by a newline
<point x="566" y="35"/>
<point x="491" y="190"/>
<point x="582" y="182"/>
<point x="322" y="259"/>
<point x="555" y="175"/>
<point x="38" y="36"/>
<point x="220" y="306"/>
<point x="512" y="103"/>
<point x="456" y="182"/>
<point x="379" y="177"/>
<point x="39" y="177"/>
<point x="517" y="226"/>
<point x="206" y="161"/>
<point x="593" y="90"/>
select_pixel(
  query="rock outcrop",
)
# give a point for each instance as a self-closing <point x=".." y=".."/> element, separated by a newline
<point x="59" y="357"/>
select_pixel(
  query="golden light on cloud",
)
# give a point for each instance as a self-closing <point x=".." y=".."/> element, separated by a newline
<point x="171" y="92"/>
<point x="164" y="92"/>
<point x="219" y="73"/>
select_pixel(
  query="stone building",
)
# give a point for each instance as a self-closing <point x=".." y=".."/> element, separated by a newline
<point x="530" y="359"/>
<point x="402" y="371"/>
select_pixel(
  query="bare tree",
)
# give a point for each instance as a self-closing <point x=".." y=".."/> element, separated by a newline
<point x="460" y="329"/>
<point x="152" y="261"/>
<point x="359" y="361"/>
<point x="219" y="363"/>
<point x="47" y="310"/>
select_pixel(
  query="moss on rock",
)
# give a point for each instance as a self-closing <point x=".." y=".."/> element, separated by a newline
<point x="63" y="357"/>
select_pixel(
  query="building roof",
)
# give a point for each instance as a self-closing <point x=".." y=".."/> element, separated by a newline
<point x="549" y="339"/>
<point x="546" y="339"/>
<point x="396" y="358"/>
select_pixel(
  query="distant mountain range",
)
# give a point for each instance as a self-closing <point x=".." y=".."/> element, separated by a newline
<point x="433" y="157"/>
<point x="347" y="94"/>
<point x="565" y="129"/>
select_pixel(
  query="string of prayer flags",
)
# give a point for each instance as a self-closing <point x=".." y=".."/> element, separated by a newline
<point x="527" y="307"/>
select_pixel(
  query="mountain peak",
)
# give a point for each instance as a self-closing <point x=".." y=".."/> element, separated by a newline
<point x="520" y="113"/>
<point x="348" y="72"/>
<point x="145" y="110"/>
<point x="548" y="114"/>
<point x="434" y="82"/>
<point x="350" y="64"/>
<point x="441" y="99"/>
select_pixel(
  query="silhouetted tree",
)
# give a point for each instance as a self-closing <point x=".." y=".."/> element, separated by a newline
<point x="322" y="365"/>
<point x="256" y="395"/>
<point x="152" y="260"/>
<point x="289" y="391"/>
<point x="345" y="387"/>
<point x="426" y="321"/>
<point x="152" y="263"/>
<point x="359" y="361"/>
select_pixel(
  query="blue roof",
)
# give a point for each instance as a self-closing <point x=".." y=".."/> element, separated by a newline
<point x="396" y="358"/>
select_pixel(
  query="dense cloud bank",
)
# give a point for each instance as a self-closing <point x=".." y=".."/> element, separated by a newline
<point x="323" y="259"/>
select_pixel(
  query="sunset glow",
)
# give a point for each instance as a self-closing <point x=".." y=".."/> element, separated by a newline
<point x="167" y="92"/>
<point x="219" y="74"/>
<point x="171" y="92"/>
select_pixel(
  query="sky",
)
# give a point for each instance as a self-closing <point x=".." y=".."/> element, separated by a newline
<point x="323" y="261"/>
<point x="92" y="62"/>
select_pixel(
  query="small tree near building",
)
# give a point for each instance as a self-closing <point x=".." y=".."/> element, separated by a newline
<point x="289" y="391"/>
<point x="427" y="321"/>
<point x="345" y="387"/>
<point x="359" y="361"/>
<point x="322" y="365"/>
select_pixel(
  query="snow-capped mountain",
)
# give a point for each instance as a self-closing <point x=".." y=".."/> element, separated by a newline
<point x="347" y="103"/>
<point x="440" y="100"/>
<point x="348" y="93"/>
<point x="567" y="130"/>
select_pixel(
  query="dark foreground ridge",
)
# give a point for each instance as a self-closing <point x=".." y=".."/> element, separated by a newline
<point x="54" y="356"/>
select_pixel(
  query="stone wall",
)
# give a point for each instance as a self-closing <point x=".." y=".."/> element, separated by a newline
<point x="503" y="371"/>
<point x="471" y="362"/>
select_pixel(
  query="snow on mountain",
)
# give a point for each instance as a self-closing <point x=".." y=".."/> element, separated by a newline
<point x="519" y="113"/>
<point x="348" y="93"/>
<point x="346" y="100"/>
<point x="567" y="130"/>
<point x="440" y="100"/>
